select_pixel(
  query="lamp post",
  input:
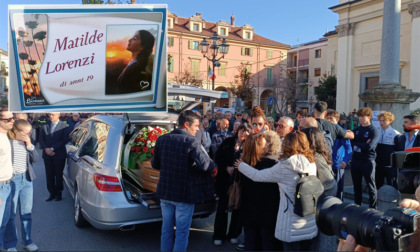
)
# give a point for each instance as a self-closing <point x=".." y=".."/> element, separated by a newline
<point x="217" y="45"/>
<point x="311" y="101"/>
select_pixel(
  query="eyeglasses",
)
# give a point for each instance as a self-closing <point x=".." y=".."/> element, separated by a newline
<point x="8" y="119"/>
<point x="259" y="124"/>
<point x="281" y="126"/>
<point x="238" y="114"/>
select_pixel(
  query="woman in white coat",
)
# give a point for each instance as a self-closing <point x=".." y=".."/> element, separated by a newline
<point x="296" y="233"/>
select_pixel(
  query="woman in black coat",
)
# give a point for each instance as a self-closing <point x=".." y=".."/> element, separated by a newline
<point x="226" y="154"/>
<point x="135" y="77"/>
<point x="259" y="200"/>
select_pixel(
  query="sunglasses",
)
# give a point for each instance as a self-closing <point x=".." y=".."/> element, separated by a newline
<point x="259" y="124"/>
<point x="239" y="114"/>
<point x="8" y="119"/>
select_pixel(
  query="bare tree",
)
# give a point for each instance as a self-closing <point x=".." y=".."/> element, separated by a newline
<point x="241" y="87"/>
<point x="188" y="77"/>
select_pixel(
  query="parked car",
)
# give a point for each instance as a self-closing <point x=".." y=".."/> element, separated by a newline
<point x="107" y="194"/>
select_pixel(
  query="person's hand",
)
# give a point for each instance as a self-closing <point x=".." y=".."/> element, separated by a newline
<point x="350" y="245"/>
<point x="48" y="151"/>
<point x="343" y="165"/>
<point x="369" y="140"/>
<point x="237" y="163"/>
<point x="230" y="169"/>
<point x="410" y="203"/>
<point x="27" y="141"/>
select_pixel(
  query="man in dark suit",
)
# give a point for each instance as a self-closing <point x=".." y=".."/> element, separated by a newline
<point x="185" y="179"/>
<point x="410" y="138"/>
<point x="220" y="135"/>
<point x="53" y="138"/>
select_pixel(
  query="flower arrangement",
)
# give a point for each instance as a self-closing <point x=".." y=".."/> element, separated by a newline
<point x="143" y="147"/>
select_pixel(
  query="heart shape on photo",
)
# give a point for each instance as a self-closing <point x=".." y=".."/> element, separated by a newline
<point x="144" y="84"/>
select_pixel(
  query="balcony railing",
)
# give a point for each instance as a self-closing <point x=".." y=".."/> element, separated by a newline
<point x="302" y="80"/>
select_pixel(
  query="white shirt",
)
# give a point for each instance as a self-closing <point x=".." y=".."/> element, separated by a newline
<point x="6" y="168"/>
<point x="388" y="135"/>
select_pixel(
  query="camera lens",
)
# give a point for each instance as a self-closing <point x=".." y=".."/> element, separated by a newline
<point x="334" y="217"/>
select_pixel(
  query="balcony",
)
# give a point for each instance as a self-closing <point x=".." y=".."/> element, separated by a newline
<point x="302" y="80"/>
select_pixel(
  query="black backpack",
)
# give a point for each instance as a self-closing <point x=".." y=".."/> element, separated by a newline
<point x="308" y="190"/>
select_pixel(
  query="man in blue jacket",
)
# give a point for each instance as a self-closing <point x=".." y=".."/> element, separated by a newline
<point x="341" y="154"/>
<point x="366" y="138"/>
<point x="185" y="179"/>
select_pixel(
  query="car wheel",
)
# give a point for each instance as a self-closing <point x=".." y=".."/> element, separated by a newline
<point x="79" y="220"/>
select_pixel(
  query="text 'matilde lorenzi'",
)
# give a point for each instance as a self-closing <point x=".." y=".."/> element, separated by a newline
<point x="67" y="44"/>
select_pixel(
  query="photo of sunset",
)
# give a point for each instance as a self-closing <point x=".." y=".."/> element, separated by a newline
<point x="31" y="38"/>
<point x="129" y="58"/>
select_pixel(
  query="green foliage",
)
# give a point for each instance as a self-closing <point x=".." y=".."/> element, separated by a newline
<point x="327" y="90"/>
<point x="242" y="87"/>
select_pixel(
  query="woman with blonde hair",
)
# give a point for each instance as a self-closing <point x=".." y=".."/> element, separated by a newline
<point x="297" y="233"/>
<point x="23" y="157"/>
<point x="258" y="120"/>
<point x="258" y="219"/>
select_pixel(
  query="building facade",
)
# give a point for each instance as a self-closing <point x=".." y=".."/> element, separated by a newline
<point x="307" y="63"/>
<point x="4" y="70"/>
<point x="358" y="42"/>
<point x="264" y="58"/>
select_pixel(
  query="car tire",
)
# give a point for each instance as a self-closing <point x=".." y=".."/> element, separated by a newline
<point x="79" y="219"/>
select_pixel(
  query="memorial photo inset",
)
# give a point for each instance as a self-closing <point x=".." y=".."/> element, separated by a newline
<point x="130" y="52"/>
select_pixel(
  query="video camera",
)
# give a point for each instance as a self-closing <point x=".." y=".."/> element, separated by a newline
<point x="389" y="231"/>
<point x="407" y="163"/>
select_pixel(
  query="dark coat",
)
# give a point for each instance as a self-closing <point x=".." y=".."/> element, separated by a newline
<point x="399" y="142"/>
<point x="260" y="200"/>
<point x="130" y="78"/>
<point x="185" y="168"/>
<point x="225" y="156"/>
<point x="58" y="140"/>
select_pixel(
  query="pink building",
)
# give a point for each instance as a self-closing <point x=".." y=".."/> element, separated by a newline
<point x="265" y="58"/>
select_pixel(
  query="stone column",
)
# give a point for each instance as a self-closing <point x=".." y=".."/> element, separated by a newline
<point x="414" y="10"/>
<point x="344" y="68"/>
<point x="390" y="95"/>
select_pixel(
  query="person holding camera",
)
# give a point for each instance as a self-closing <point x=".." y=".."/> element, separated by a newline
<point x="349" y="244"/>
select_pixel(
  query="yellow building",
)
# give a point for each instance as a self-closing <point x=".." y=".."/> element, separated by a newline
<point x="358" y="49"/>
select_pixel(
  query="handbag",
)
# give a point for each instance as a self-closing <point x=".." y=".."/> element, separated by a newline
<point x="234" y="192"/>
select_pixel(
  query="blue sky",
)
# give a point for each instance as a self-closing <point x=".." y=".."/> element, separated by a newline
<point x="285" y="21"/>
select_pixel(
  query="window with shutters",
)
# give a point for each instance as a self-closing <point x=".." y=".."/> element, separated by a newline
<point x="171" y="65"/>
<point x="269" y="54"/>
<point x="269" y="75"/>
<point x="195" y="68"/>
<point x="318" y="53"/>
<point x="222" y="69"/>
<point x="171" y="41"/>
<point x="194" y="45"/>
<point x="247" y="51"/>
<point x="317" y="72"/>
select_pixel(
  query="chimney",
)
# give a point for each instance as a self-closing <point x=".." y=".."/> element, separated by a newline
<point x="232" y="20"/>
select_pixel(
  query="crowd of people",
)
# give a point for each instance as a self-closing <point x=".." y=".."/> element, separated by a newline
<point x="212" y="152"/>
<point x="266" y="158"/>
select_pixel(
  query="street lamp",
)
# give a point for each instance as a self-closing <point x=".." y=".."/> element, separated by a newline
<point x="216" y="45"/>
<point x="311" y="101"/>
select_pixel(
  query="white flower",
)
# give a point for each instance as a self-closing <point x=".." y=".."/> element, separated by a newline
<point x="149" y="146"/>
<point x="153" y="144"/>
<point x="148" y="142"/>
